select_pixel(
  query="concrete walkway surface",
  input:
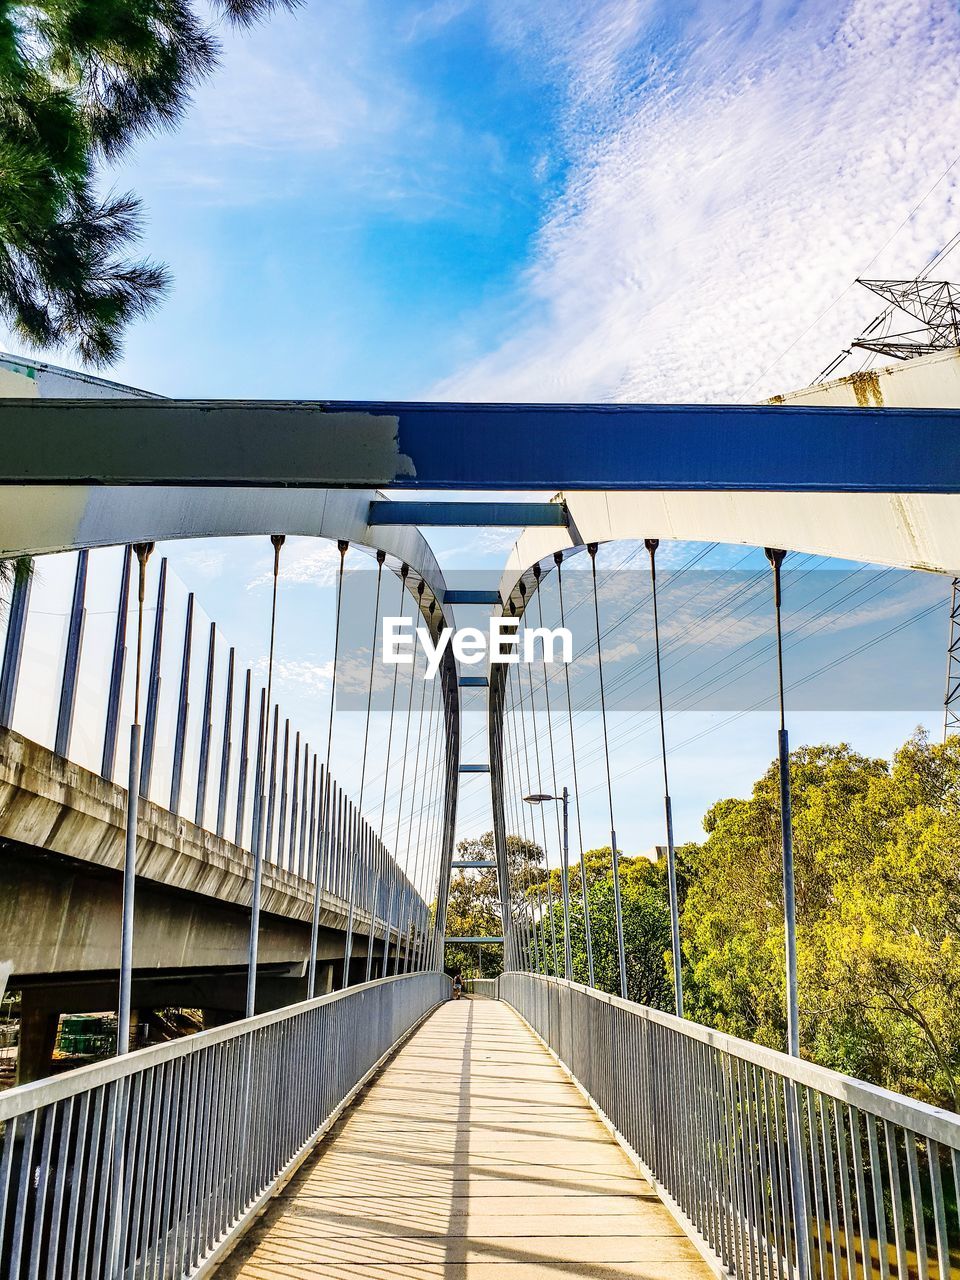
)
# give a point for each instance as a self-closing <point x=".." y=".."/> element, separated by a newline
<point x="470" y="1155"/>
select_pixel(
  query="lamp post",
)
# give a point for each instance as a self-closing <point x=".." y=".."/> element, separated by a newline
<point x="564" y="799"/>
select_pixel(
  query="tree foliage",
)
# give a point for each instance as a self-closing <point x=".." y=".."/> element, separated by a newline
<point x="80" y="80"/>
<point x="877" y="854"/>
<point x="473" y="909"/>
<point x="646" y="926"/>
<point x="877" y="850"/>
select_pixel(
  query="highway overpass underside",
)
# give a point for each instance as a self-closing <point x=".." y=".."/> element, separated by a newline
<point x="61" y="856"/>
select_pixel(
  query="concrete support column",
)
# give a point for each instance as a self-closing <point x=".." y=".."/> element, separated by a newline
<point x="38" y="1035"/>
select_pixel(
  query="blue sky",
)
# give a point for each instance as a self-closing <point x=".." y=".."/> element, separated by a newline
<point x="586" y="200"/>
<point x="616" y="199"/>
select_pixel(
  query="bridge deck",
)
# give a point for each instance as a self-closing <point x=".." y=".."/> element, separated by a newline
<point x="471" y="1155"/>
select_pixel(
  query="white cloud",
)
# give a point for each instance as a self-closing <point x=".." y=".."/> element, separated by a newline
<point x="431" y="19"/>
<point x="308" y="562"/>
<point x="206" y="562"/>
<point x="314" y="677"/>
<point x="717" y="210"/>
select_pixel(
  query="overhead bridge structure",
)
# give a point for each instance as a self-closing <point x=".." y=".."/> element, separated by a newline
<point x="342" y="1116"/>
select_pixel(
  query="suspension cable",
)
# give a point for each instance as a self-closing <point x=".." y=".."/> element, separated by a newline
<point x="520" y="826"/>
<point x="526" y="812"/>
<point x="354" y="886"/>
<point x="776" y="559"/>
<point x="401" y="892"/>
<point x="424" y="803"/>
<point x="324" y="840"/>
<point x="584" y="899"/>
<point x="381" y="557"/>
<point x="543" y="820"/>
<point x="543" y="825"/>
<point x="614" y="856"/>
<point x="142" y="551"/>
<point x="651" y="544"/>
<point x="417" y="778"/>
<point x="253" y="947"/>
<point x="557" y="800"/>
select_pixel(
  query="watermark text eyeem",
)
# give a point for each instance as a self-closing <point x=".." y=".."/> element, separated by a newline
<point x="470" y="645"/>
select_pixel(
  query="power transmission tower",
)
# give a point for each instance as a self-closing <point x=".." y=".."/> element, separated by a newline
<point x="934" y="306"/>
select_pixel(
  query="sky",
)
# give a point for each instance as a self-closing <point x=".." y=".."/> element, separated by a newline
<point x="581" y="201"/>
<point x="499" y="199"/>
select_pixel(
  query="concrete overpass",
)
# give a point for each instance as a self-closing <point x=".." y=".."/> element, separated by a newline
<point x="61" y="860"/>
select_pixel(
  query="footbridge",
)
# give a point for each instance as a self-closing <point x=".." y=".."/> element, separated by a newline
<point x="163" y="823"/>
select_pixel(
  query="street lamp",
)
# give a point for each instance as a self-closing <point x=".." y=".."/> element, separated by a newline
<point x="564" y="799"/>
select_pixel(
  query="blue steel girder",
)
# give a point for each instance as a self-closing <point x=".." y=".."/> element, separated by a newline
<point x="330" y="444"/>
<point x="461" y="515"/>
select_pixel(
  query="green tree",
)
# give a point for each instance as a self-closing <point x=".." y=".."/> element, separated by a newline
<point x="646" y="927"/>
<point x="877" y="850"/>
<point x="473" y="909"/>
<point x="80" y="80"/>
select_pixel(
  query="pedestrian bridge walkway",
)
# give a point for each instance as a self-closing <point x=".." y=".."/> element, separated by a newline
<point x="320" y="1141"/>
<point x="470" y="1155"/>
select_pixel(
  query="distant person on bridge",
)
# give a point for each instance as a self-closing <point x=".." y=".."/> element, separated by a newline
<point x="457" y="985"/>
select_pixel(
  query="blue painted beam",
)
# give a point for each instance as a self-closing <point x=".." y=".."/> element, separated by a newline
<point x="451" y="596"/>
<point x="474" y="682"/>
<point x="470" y="864"/>
<point x="461" y="515"/>
<point x="474" y="768"/>
<point x="481" y="447"/>
<point x="497" y="940"/>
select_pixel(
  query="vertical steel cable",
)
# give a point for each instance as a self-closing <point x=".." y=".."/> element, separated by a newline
<point x="392" y="875"/>
<point x="412" y="876"/>
<point x="253" y="946"/>
<point x="401" y="889"/>
<point x="509" y="814"/>
<point x="651" y="544"/>
<point x="543" y="820"/>
<point x="403" y="898"/>
<point x="348" y="941"/>
<point x="543" y="825"/>
<point x="142" y="551"/>
<point x="587" y="936"/>
<point x="521" y="816"/>
<point x="428" y="780"/>
<point x="432" y="835"/>
<point x="792" y="1098"/>
<point x="520" y="820"/>
<point x="564" y="870"/>
<point x="776" y="559"/>
<point x="614" y="855"/>
<point x="342" y="547"/>
<point x="430" y="942"/>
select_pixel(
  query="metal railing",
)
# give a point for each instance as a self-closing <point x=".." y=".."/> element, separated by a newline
<point x="207" y="733"/>
<point x="779" y="1167"/>
<point x="486" y="987"/>
<point x="149" y="1165"/>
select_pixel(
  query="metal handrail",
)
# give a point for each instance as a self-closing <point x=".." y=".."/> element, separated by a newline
<point x="778" y="1167"/>
<point x="151" y="1164"/>
<point x="486" y="987"/>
